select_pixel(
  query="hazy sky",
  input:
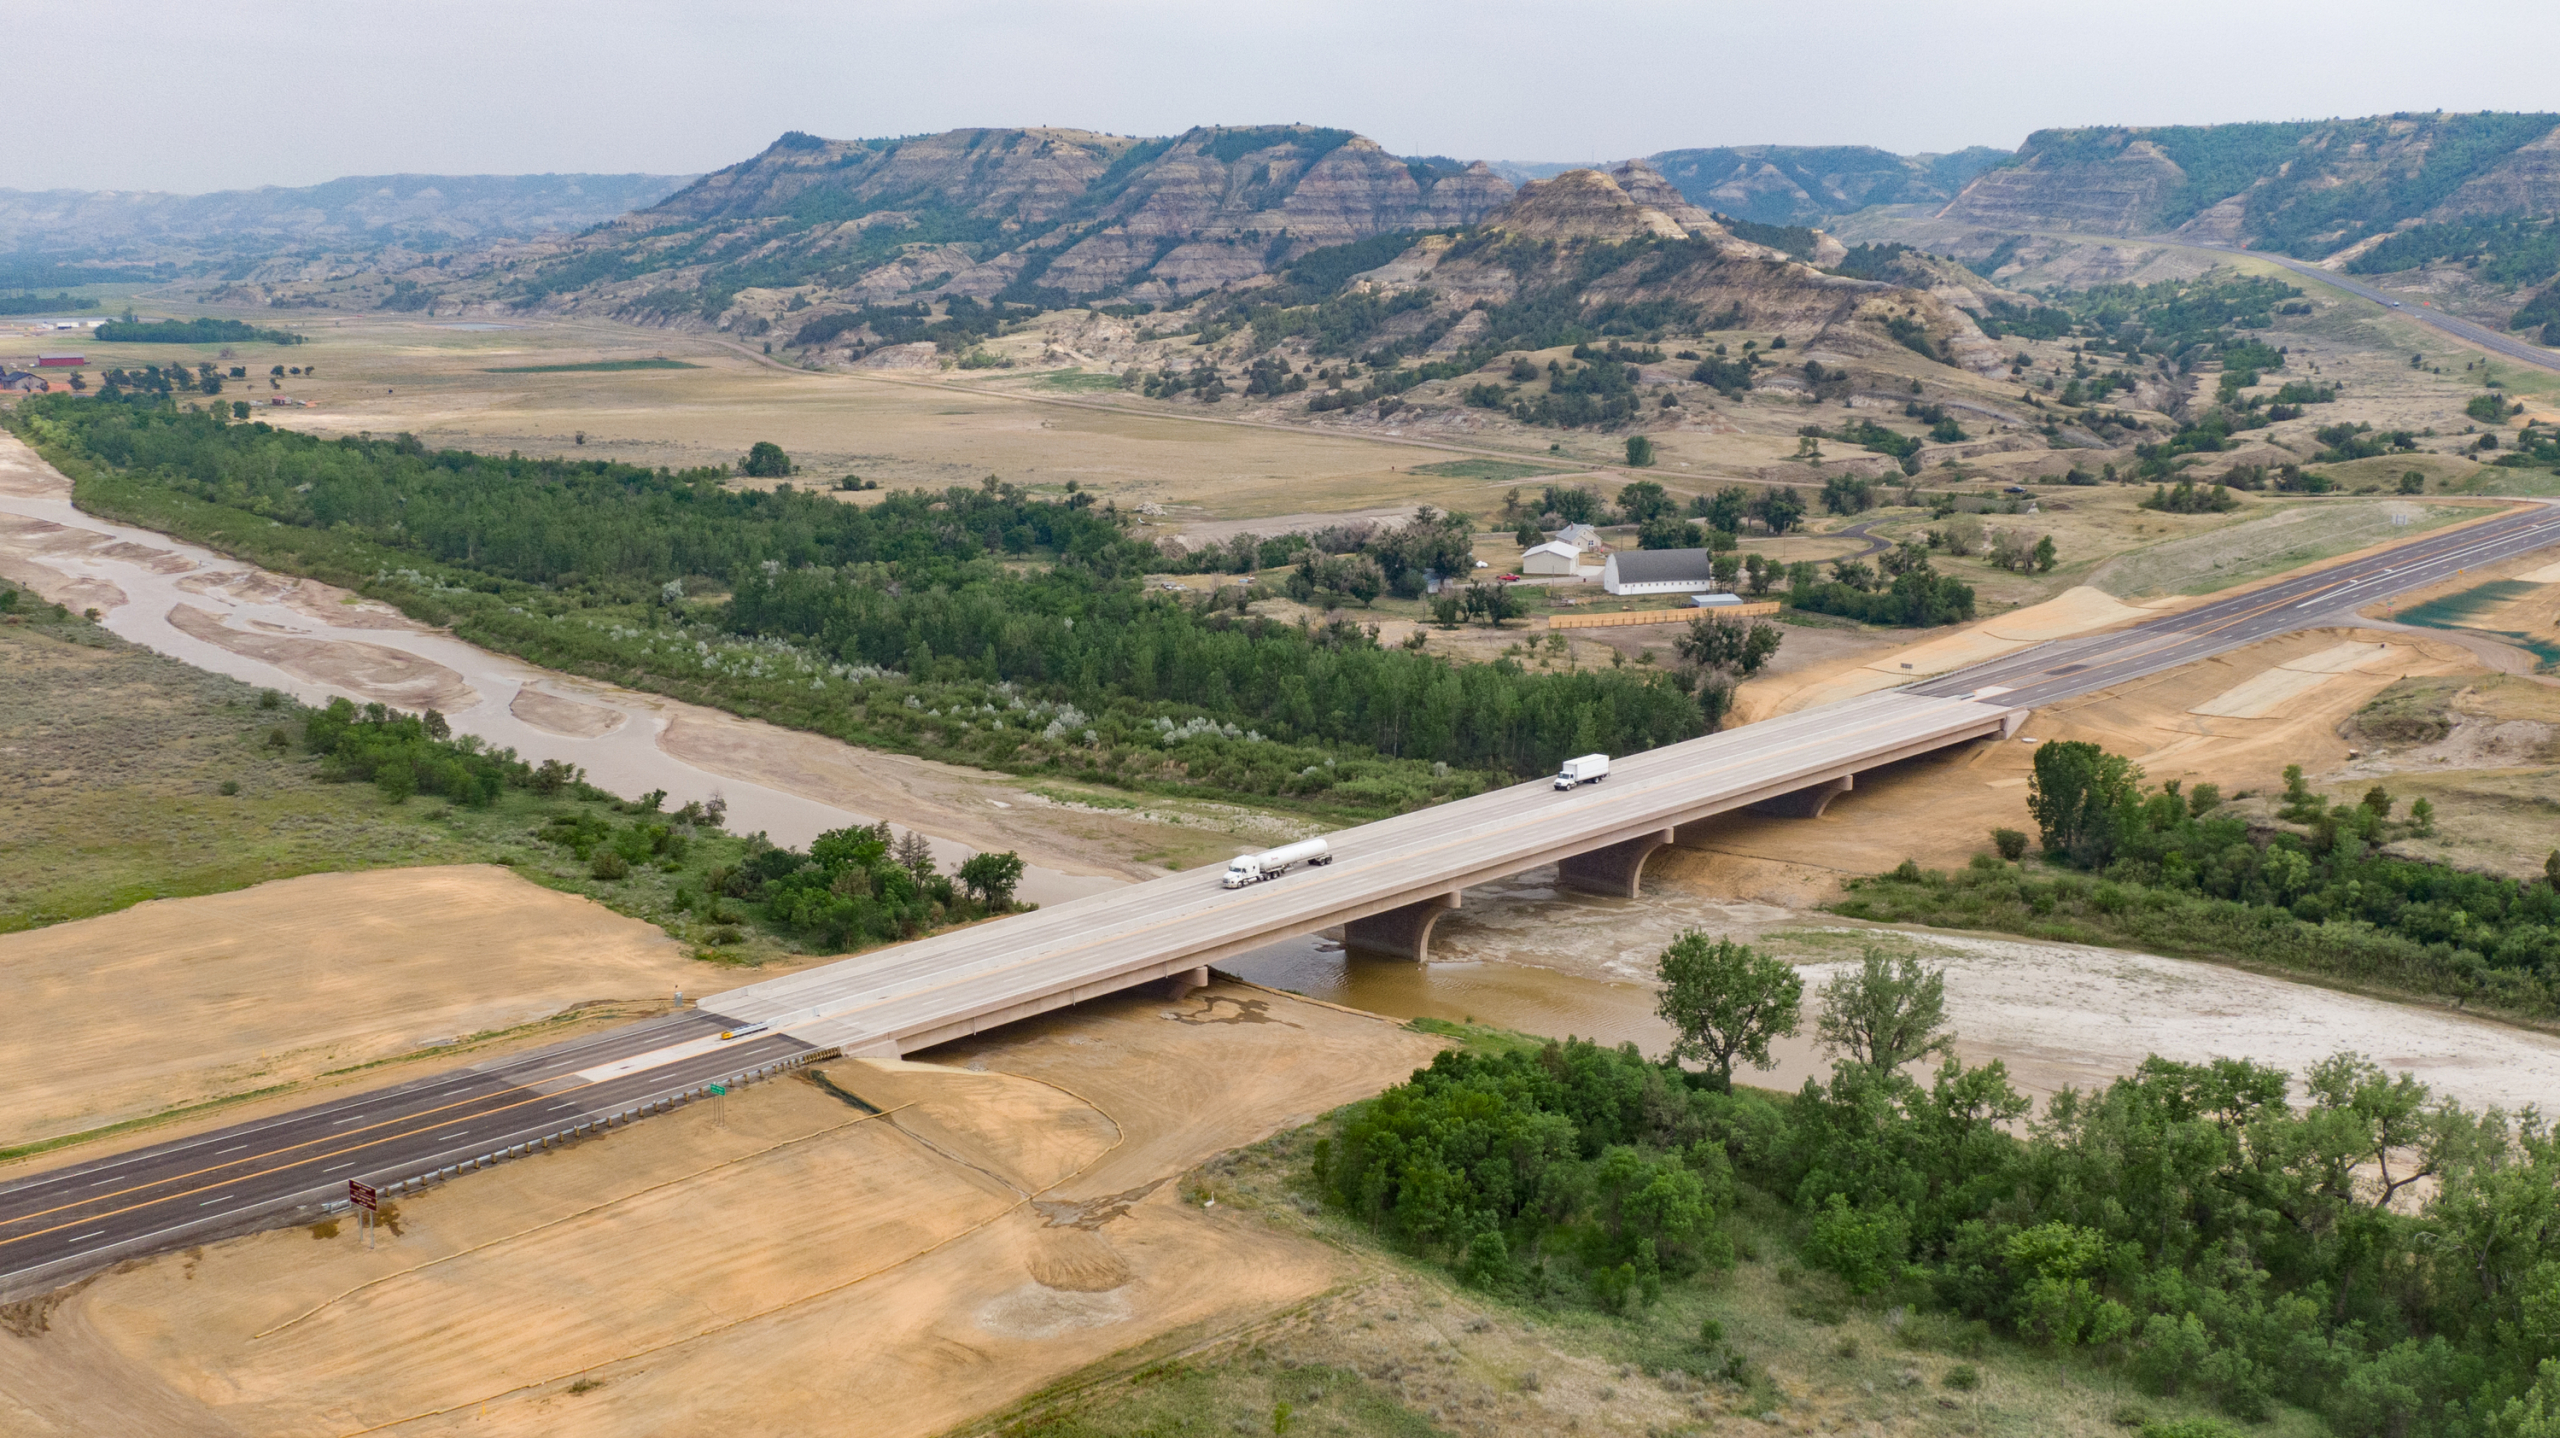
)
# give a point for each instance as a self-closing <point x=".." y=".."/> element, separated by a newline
<point x="147" y="94"/>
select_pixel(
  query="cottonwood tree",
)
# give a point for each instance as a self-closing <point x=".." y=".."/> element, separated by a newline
<point x="914" y="853"/>
<point x="1726" y="1001"/>
<point x="1738" y="646"/>
<point x="1886" y="1012"/>
<point x="2075" y="795"/>
<point x="992" y="877"/>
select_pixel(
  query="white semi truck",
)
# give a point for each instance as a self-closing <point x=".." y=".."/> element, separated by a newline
<point x="1589" y="769"/>
<point x="1272" y="863"/>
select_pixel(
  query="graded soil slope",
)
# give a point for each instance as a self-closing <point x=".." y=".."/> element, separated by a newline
<point x="179" y="1001"/>
<point x="2235" y="720"/>
<point x="795" y="1264"/>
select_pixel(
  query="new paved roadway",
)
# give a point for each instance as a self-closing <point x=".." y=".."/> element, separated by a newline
<point x="56" y="1224"/>
<point x="2425" y="314"/>
<point x="2059" y="669"/>
<point x="171" y="1195"/>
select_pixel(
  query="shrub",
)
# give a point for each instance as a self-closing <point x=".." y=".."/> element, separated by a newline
<point x="609" y="864"/>
<point x="2011" y="843"/>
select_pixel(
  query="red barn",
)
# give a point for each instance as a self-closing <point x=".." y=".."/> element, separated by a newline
<point x="61" y="361"/>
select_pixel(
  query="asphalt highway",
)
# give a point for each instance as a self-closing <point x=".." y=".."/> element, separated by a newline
<point x="2461" y="329"/>
<point x="2064" y="668"/>
<point x="56" y="1224"/>
<point x="239" y="1177"/>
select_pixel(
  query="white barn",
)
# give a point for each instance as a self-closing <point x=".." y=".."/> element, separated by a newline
<point x="1555" y="557"/>
<point x="1659" y="571"/>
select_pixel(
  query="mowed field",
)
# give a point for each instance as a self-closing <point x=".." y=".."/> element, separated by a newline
<point x="1008" y="1220"/>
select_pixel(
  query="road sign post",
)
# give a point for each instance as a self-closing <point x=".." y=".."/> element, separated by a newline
<point x="365" y="1196"/>
<point x="719" y="1104"/>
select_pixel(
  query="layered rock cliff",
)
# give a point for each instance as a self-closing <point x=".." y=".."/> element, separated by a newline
<point x="2307" y="188"/>
<point x="1037" y="216"/>
<point x="1675" y="256"/>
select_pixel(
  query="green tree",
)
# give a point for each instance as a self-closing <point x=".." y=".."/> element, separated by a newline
<point x="2075" y="795"/>
<point x="1667" y="532"/>
<point x="1726" y="1001"/>
<point x="1639" y="451"/>
<point x="1847" y="494"/>
<point x="1362" y="579"/>
<point x="992" y="877"/>
<point x="1738" y="645"/>
<point x="765" y="460"/>
<point x="1780" y="507"/>
<point x="1725" y="509"/>
<point x="1644" y="501"/>
<point x="1885" y="1012"/>
<point x="914" y="853"/>
<point x="2045" y="556"/>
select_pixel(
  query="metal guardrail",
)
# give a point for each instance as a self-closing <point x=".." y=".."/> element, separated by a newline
<point x="586" y="1128"/>
<point x="332" y="1199"/>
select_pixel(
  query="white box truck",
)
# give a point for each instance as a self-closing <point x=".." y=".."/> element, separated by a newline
<point x="1589" y="769"/>
<point x="1272" y="863"/>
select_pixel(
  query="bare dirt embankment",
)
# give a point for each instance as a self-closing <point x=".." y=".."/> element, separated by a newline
<point x="179" y="1001"/>
<point x="1008" y="1221"/>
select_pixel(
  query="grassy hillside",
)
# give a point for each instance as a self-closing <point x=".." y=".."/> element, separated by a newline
<point x="2304" y="188"/>
<point x="1803" y="184"/>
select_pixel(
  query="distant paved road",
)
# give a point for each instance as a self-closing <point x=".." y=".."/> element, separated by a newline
<point x="2064" y="668"/>
<point x="2461" y="329"/>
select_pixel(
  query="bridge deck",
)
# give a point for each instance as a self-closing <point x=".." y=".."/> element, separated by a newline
<point x="953" y="984"/>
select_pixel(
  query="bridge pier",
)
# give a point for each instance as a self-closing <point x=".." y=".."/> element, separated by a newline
<point x="1807" y="802"/>
<point x="1176" y="985"/>
<point x="1613" y="869"/>
<point x="1403" y="933"/>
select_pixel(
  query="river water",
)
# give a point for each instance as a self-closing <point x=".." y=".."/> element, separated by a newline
<point x="303" y="639"/>
<point x="1521" y="954"/>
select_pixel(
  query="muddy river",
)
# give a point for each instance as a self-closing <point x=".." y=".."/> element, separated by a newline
<point x="1521" y="953"/>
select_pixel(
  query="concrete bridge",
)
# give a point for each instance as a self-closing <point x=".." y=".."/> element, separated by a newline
<point x="1388" y="884"/>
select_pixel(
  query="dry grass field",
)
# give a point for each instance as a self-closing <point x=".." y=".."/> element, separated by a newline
<point x="112" y="766"/>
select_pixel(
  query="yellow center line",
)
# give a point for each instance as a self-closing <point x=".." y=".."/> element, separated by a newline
<point x="273" y="1152"/>
<point x="244" y="1177"/>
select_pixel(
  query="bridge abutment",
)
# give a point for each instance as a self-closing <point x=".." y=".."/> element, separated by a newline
<point x="1613" y="869"/>
<point x="1403" y="933"/>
